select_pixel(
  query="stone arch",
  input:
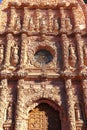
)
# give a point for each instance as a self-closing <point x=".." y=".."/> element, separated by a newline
<point x="49" y="105"/>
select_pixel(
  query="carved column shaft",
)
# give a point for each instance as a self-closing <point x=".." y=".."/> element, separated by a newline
<point x="78" y="39"/>
<point x="84" y="85"/>
<point x="13" y="17"/>
<point x="3" y="96"/>
<point x="65" y="45"/>
<point x="63" y="24"/>
<point x="26" y="18"/>
<point x="70" y="105"/>
<point x="20" y="110"/>
<point x="8" y="49"/>
<point x="80" y="50"/>
<point x="24" y="42"/>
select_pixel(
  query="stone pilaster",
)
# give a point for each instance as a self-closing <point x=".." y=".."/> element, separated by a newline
<point x="10" y="41"/>
<point x="24" y="42"/>
<point x="3" y="96"/>
<point x="70" y="105"/>
<point x="21" y="121"/>
<point x="65" y="51"/>
<point x="84" y="85"/>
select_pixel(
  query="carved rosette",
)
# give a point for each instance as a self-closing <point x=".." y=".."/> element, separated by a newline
<point x="65" y="46"/>
<point x="84" y="85"/>
<point x="70" y="105"/>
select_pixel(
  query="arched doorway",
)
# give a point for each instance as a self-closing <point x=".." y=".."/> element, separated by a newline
<point x="44" y="117"/>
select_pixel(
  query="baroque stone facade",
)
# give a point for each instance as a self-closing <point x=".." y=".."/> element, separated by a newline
<point x="43" y="65"/>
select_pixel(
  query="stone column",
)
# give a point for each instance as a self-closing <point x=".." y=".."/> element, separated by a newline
<point x="12" y="18"/>
<point x="84" y="85"/>
<point x="70" y="105"/>
<point x="63" y="20"/>
<point x="21" y="121"/>
<point x="80" y="50"/>
<point x="78" y="39"/>
<point x="65" y="42"/>
<point x="65" y="51"/>
<point x="24" y="42"/>
<point x="3" y="89"/>
<point x="10" y="41"/>
<point x="26" y="19"/>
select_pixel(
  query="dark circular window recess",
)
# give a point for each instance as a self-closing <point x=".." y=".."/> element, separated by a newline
<point x="43" y="56"/>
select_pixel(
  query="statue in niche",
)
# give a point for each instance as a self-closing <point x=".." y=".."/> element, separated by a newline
<point x="68" y="24"/>
<point x="85" y="54"/>
<point x="72" y="56"/>
<point x="78" y="112"/>
<point x="9" y="112"/>
<point x="43" y="24"/>
<point x="56" y="24"/>
<point x="1" y="53"/>
<point x="14" y="54"/>
<point x="18" y="23"/>
<point x="31" y="24"/>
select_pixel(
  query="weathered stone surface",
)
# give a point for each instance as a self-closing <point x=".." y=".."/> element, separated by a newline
<point x="43" y="60"/>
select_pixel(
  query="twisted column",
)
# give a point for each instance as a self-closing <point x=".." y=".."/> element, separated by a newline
<point x="21" y="121"/>
<point x="84" y="85"/>
<point x="70" y="105"/>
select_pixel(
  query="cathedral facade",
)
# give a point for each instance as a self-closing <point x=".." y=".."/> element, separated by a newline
<point x="43" y="65"/>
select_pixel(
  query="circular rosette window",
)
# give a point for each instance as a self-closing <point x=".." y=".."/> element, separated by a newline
<point x="43" y="56"/>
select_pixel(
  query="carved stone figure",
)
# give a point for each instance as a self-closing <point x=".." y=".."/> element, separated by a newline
<point x="9" y="111"/>
<point x="18" y="25"/>
<point x="72" y="56"/>
<point x="78" y="112"/>
<point x="85" y="54"/>
<point x="1" y="53"/>
<point x="14" y="55"/>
